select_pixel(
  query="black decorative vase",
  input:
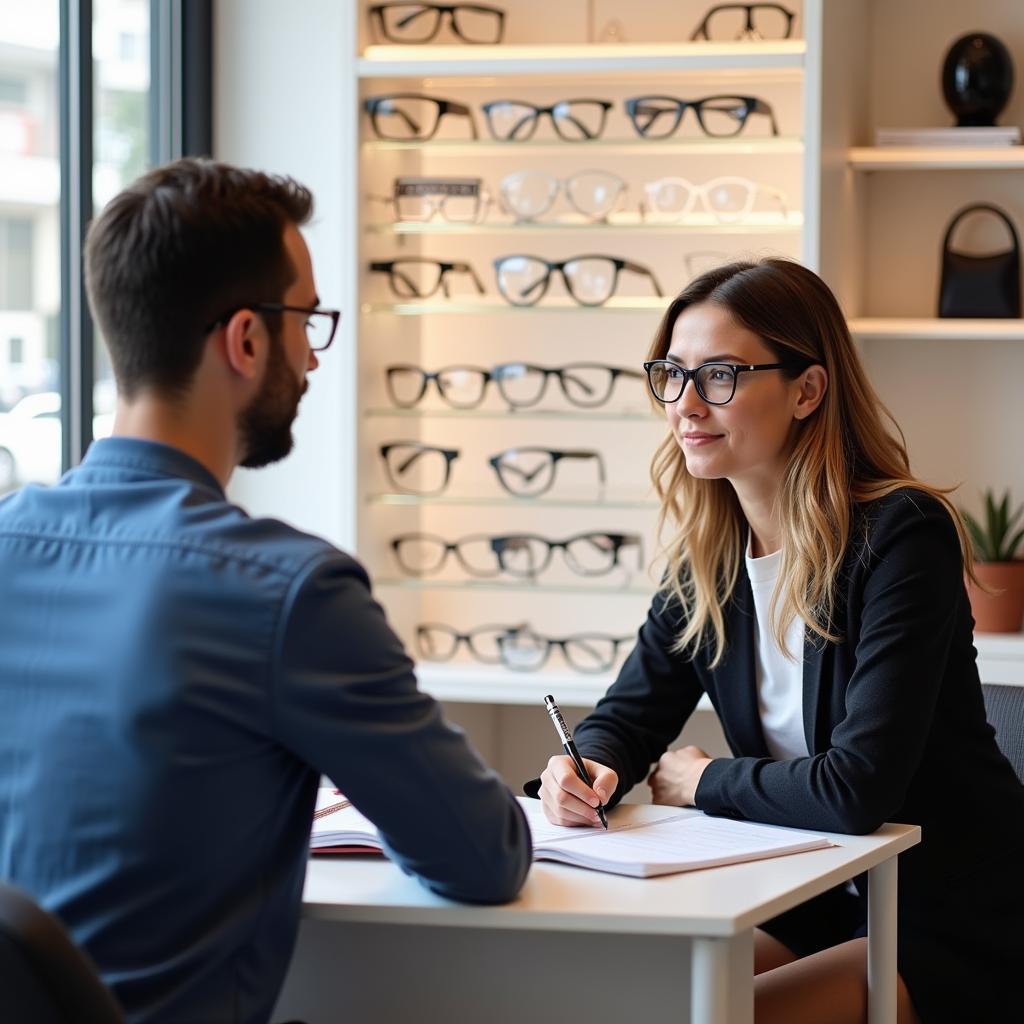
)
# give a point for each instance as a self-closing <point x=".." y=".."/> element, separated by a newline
<point x="977" y="79"/>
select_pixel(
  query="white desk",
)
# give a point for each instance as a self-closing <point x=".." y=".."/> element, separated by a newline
<point x="575" y="945"/>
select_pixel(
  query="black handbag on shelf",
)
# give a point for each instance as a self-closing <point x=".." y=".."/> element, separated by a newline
<point x="980" y="286"/>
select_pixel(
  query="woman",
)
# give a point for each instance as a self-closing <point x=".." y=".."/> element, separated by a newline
<point x="815" y="592"/>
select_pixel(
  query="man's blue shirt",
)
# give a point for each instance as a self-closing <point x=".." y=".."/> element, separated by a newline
<point x="174" y="677"/>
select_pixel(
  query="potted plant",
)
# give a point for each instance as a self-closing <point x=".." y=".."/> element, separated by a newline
<point x="997" y="566"/>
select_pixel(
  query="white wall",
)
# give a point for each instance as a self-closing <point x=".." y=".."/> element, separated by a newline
<point x="280" y="85"/>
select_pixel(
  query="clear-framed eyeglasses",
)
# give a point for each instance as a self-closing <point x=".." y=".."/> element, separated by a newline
<point x="729" y="199"/>
<point x="528" y="194"/>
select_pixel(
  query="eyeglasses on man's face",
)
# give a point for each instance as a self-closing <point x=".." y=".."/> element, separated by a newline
<point x="521" y="555"/>
<point x="521" y="385"/>
<point x="725" y="22"/>
<point x="658" y="117"/>
<point x="321" y="324"/>
<point x="525" y="472"/>
<point x="715" y="382"/>
<point x="417" y="277"/>
<point x="412" y="116"/>
<point x="590" y="280"/>
<point x="420" y="22"/>
<point x="575" y="120"/>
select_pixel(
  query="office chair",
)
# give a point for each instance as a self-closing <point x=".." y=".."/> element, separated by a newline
<point x="1004" y="706"/>
<point x="44" y="977"/>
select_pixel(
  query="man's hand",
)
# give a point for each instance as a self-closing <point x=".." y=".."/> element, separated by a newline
<point x="674" y="780"/>
<point x="567" y="799"/>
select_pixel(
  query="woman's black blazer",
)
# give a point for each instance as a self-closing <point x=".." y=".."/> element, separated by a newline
<point x="895" y="724"/>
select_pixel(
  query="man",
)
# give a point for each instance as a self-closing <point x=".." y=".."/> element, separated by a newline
<point x="175" y="676"/>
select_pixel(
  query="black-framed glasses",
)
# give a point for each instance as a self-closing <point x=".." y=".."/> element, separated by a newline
<point x="521" y="385"/>
<point x="525" y="650"/>
<point x="524" y="472"/>
<point x="745" y="21"/>
<point x="418" y="277"/>
<point x="590" y="279"/>
<point x="715" y="382"/>
<point x="412" y="116"/>
<point x="575" y="120"/>
<point x="420" y="22"/>
<point x="321" y="324"/>
<point x="522" y="555"/>
<point x="658" y="117"/>
<point x="437" y="641"/>
<point x="528" y="195"/>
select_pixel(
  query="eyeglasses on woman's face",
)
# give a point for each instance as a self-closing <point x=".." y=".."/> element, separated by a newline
<point x="715" y="382"/>
<point x="658" y="117"/>
<point x="420" y="22"/>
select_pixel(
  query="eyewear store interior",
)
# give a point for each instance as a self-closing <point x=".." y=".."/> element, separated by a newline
<point x="505" y="207"/>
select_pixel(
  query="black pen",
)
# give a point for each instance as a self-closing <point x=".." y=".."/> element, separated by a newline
<point x="570" y="748"/>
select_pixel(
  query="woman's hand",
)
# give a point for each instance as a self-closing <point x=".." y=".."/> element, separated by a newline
<point x="674" y="780"/>
<point x="567" y="799"/>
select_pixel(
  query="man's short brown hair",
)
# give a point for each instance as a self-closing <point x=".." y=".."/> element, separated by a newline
<point x="177" y="250"/>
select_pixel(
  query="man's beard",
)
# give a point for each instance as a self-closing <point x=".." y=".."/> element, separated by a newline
<point x="265" y="424"/>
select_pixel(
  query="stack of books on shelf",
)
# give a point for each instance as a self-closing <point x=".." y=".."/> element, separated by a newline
<point x="995" y="135"/>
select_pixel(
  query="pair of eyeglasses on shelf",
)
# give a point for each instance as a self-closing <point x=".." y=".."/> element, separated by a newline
<point x="522" y="555"/>
<point x="518" y="647"/>
<point x="591" y="280"/>
<point x="418" y="277"/>
<point x="745" y="21"/>
<point x="413" y="23"/>
<point x="321" y="324"/>
<point x="453" y="200"/>
<point x="715" y="382"/>
<point x="521" y="385"/>
<point x="720" y="117"/>
<point x="525" y="472"/>
<point x="527" y="195"/>
<point x="573" y="120"/>
<point x="729" y="199"/>
<point x="412" y="116"/>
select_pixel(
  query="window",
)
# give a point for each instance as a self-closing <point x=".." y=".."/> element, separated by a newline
<point x="15" y="351"/>
<point x="13" y="91"/>
<point x="15" y="263"/>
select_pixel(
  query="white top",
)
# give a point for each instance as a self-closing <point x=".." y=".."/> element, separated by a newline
<point x="780" y="681"/>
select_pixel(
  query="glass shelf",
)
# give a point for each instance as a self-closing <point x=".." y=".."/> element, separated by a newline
<point x="776" y="60"/>
<point x="621" y="501"/>
<point x="704" y="224"/>
<point x="511" y="586"/>
<point x="771" y="146"/>
<point x="653" y="304"/>
<point x="625" y="416"/>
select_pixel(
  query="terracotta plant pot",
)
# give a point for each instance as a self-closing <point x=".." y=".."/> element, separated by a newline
<point x="1003" y="611"/>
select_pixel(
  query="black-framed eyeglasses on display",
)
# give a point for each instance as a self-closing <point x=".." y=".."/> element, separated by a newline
<point x="522" y="555"/>
<point x="421" y="22"/>
<point x="418" y="277"/>
<point x="436" y="641"/>
<point x="590" y="279"/>
<point x="454" y="200"/>
<point x="411" y="116"/>
<point x="524" y="472"/>
<point x="521" y="385"/>
<point x="658" y="117"/>
<point x="726" y="22"/>
<point x="321" y="324"/>
<point x="575" y="120"/>
<point x="525" y="650"/>
<point x="528" y="195"/>
<point x="715" y="382"/>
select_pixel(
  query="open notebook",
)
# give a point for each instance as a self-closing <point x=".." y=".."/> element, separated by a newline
<point x="679" y="841"/>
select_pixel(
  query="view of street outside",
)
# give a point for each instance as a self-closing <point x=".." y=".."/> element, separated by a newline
<point x="30" y="429"/>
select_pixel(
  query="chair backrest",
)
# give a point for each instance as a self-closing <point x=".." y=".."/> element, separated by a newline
<point x="44" y="977"/>
<point x="1004" y="706"/>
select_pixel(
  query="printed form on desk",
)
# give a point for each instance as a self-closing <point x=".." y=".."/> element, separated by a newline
<point x="678" y="840"/>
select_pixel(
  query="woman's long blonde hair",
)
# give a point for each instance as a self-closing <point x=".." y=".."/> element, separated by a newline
<point x="849" y="450"/>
